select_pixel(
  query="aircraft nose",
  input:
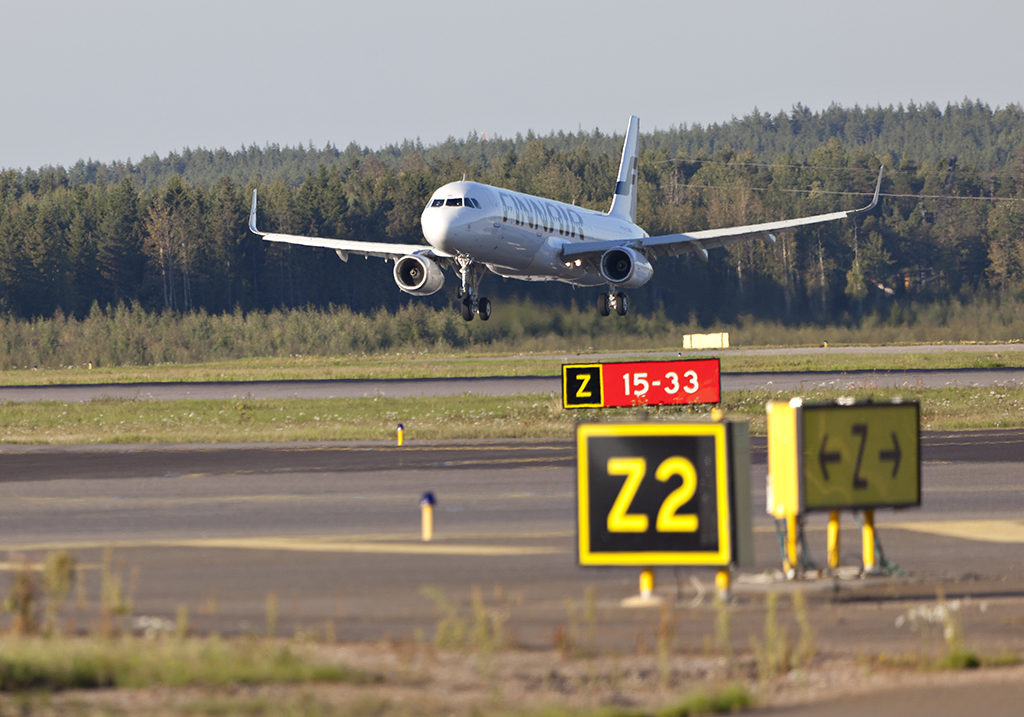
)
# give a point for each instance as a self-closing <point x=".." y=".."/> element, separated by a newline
<point x="437" y="226"/>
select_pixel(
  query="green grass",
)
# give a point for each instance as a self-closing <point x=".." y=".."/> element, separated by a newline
<point x="130" y="421"/>
<point x="52" y="665"/>
<point x="834" y="359"/>
<point x="384" y="366"/>
<point x="427" y="418"/>
<point x="733" y="698"/>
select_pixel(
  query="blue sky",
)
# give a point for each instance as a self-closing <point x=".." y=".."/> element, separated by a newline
<point x="118" y="80"/>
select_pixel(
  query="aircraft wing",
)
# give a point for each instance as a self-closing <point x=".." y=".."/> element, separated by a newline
<point x="344" y="247"/>
<point x="674" y="244"/>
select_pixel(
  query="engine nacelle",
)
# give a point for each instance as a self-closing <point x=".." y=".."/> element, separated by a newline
<point x="626" y="267"/>
<point x="417" y="275"/>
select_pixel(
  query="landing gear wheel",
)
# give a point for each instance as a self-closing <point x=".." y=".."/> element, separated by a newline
<point x="467" y="309"/>
<point x="483" y="308"/>
<point x="603" y="305"/>
<point x="621" y="304"/>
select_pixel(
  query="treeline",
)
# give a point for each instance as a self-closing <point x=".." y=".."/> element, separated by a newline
<point x="171" y="234"/>
<point x="971" y="131"/>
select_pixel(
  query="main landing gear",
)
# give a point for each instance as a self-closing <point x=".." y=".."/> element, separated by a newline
<point x="472" y="303"/>
<point x="612" y="300"/>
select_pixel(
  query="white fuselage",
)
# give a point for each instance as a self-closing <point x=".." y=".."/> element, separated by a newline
<point x="517" y="235"/>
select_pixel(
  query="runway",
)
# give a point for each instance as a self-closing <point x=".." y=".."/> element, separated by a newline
<point x="332" y="531"/>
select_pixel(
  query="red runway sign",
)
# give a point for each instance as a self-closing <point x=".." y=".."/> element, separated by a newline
<point x="641" y="383"/>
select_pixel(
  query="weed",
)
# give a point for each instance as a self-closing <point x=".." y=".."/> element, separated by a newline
<point x="484" y="630"/>
<point x="271" y="607"/>
<point x="723" y="626"/>
<point x="944" y="615"/>
<point x="807" y="647"/>
<point x="451" y="629"/>
<point x="668" y="624"/>
<point x="114" y="602"/>
<point x="488" y="625"/>
<point x="590" y="615"/>
<point x="181" y="624"/>
<point x="772" y="652"/>
<point x="23" y="601"/>
<point x="567" y="637"/>
<point x="58" y="580"/>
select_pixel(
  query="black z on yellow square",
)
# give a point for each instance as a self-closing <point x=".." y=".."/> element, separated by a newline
<point x="582" y="386"/>
<point x="653" y="494"/>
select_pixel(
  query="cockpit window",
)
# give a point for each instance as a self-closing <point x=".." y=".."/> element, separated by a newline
<point x="455" y="202"/>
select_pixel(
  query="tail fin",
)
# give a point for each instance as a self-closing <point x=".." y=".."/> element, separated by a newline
<point x="624" y="201"/>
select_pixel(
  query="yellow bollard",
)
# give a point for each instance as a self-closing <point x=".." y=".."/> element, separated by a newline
<point x="833" y="539"/>
<point x="868" y="541"/>
<point x="427" y="516"/>
<point x="646" y="584"/>
<point x="646" y="598"/>
<point x="401" y="435"/>
<point x="723" y="582"/>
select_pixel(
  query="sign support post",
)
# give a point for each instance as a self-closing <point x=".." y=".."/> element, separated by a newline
<point x="833" y="539"/>
<point x="868" y="542"/>
<point x="723" y="583"/>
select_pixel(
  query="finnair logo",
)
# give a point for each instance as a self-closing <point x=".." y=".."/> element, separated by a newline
<point x="540" y="214"/>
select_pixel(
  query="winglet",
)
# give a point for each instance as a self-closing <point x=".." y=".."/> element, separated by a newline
<point x="874" y="199"/>
<point x="252" y="216"/>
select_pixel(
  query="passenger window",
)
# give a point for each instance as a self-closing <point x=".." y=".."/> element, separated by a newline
<point x="457" y="202"/>
<point x="437" y="203"/>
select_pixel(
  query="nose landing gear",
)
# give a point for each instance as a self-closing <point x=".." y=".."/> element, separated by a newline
<point x="472" y="304"/>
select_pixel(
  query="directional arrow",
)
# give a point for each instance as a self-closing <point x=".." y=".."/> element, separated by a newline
<point x="824" y="458"/>
<point x="894" y="455"/>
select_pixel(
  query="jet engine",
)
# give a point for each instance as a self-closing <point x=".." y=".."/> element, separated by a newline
<point x="626" y="267"/>
<point x="417" y="275"/>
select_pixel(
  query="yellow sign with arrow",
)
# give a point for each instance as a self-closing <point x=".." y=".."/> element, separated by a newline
<point x="861" y="456"/>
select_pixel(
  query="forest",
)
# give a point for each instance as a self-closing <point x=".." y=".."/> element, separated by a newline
<point x="170" y="234"/>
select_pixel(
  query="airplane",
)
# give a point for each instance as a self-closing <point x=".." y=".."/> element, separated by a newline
<point x="473" y="228"/>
